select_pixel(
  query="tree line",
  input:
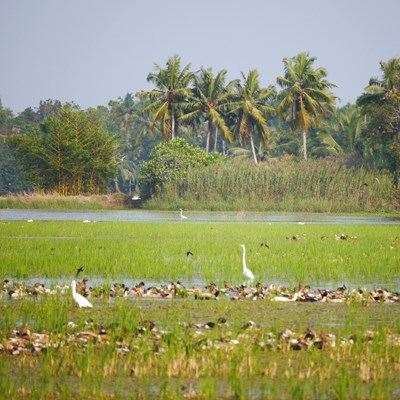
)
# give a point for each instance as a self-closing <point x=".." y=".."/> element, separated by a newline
<point x="59" y="147"/>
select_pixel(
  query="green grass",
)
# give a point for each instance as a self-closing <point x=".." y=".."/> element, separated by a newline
<point x="157" y="252"/>
<point x="179" y="360"/>
<point x="55" y="201"/>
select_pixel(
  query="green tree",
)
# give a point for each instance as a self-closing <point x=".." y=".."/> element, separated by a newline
<point x="251" y="106"/>
<point x="134" y="136"/>
<point x="339" y="134"/>
<point x="382" y="90"/>
<point x="6" y="118"/>
<point x="11" y="179"/>
<point x="71" y="154"/>
<point x="208" y="102"/>
<point x="172" y="159"/>
<point x="380" y="108"/>
<point x="172" y="89"/>
<point x="305" y="94"/>
<point x="48" y="108"/>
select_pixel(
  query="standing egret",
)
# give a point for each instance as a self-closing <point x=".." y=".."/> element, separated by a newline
<point x="183" y="216"/>
<point x="80" y="300"/>
<point x="246" y="272"/>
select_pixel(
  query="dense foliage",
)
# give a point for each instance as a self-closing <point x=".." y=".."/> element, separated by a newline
<point x="11" y="179"/>
<point x="71" y="154"/>
<point x="171" y="161"/>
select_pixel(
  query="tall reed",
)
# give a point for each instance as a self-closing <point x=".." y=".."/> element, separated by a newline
<point x="316" y="185"/>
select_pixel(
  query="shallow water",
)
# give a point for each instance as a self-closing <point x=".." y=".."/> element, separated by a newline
<point x="97" y="281"/>
<point x="196" y="217"/>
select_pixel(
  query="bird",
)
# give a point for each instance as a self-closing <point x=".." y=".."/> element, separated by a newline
<point x="246" y="272"/>
<point x="80" y="269"/>
<point x="80" y="300"/>
<point x="183" y="216"/>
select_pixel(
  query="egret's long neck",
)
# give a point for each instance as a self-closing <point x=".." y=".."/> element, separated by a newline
<point x="244" y="259"/>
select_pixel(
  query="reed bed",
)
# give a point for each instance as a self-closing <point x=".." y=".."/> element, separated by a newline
<point x="313" y="186"/>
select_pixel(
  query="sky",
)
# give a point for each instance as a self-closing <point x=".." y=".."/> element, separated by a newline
<point x="92" y="51"/>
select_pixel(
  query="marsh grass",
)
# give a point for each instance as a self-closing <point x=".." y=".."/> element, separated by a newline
<point x="179" y="361"/>
<point x="54" y="201"/>
<point x="182" y="363"/>
<point x="156" y="252"/>
<point x="313" y="186"/>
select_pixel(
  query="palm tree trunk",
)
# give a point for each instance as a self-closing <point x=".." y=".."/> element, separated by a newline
<point x="173" y="125"/>
<point x="304" y="144"/>
<point x="209" y="129"/>
<point x="216" y="138"/>
<point x="253" y="149"/>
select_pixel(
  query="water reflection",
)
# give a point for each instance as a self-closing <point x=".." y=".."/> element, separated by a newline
<point x="196" y="217"/>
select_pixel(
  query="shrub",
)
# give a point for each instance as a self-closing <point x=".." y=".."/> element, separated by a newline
<point x="171" y="161"/>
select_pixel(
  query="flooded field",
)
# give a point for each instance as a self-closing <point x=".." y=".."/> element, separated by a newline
<point x="172" y="316"/>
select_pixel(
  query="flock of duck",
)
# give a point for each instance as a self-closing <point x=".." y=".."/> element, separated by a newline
<point x="23" y="341"/>
<point x="82" y="293"/>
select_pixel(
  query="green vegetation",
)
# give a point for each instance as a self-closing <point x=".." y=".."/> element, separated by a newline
<point x="72" y="154"/>
<point x="251" y="106"/>
<point x="238" y="119"/>
<point x="172" y="89"/>
<point x="110" y="351"/>
<point x="172" y="161"/>
<point x="157" y="252"/>
<point x="164" y="348"/>
<point x="55" y="201"/>
<point x="313" y="186"/>
<point x="305" y="94"/>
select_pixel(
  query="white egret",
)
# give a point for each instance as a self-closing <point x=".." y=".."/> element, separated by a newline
<point x="80" y="300"/>
<point x="183" y="216"/>
<point x="246" y="272"/>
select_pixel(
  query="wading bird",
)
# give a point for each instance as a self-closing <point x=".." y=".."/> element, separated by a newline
<point x="183" y="216"/>
<point x="80" y="300"/>
<point x="246" y="272"/>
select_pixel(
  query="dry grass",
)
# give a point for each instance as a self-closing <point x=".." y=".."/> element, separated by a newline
<point x="56" y="201"/>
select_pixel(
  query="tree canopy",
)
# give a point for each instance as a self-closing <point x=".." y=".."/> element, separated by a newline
<point x="71" y="153"/>
<point x="172" y="159"/>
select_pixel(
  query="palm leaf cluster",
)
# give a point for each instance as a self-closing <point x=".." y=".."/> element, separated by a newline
<point x="305" y="93"/>
<point x="240" y="110"/>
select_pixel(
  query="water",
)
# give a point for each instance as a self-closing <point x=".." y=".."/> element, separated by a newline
<point x="196" y="217"/>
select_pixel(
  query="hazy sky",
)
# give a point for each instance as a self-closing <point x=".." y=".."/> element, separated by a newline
<point x="93" y="51"/>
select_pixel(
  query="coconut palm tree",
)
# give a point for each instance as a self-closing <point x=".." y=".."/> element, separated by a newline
<point x="388" y="87"/>
<point x="305" y="94"/>
<point x="207" y="102"/>
<point x="171" y="91"/>
<point x="349" y="124"/>
<point x="123" y="111"/>
<point x="251" y="106"/>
